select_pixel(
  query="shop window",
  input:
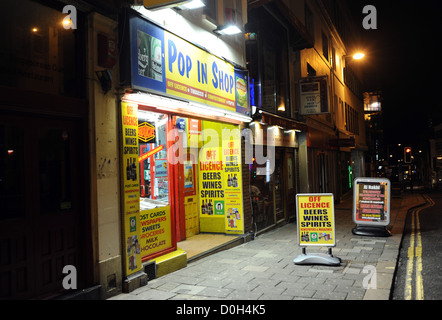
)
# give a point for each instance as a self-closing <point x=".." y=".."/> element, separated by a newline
<point x="154" y="182"/>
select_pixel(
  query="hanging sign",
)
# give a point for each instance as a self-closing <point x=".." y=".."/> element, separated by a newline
<point x="316" y="220"/>
<point x="371" y="201"/>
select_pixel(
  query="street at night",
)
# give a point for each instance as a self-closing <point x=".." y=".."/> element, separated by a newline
<point x="246" y="152"/>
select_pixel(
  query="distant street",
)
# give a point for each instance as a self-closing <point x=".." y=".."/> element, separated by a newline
<point x="419" y="274"/>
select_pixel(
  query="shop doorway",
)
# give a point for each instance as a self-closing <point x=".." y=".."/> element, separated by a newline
<point x="42" y="205"/>
<point x="280" y="183"/>
<point x="291" y="185"/>
<point x="262" y="194"/>
<point x="188" y="196"/>
<point x="187" y="177"/>
<point x="322" y="173"/>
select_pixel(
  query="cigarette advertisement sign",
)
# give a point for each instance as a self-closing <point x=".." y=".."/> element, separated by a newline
<point x="371" y="201"/>
<point x="166" y="63"/>
<point x="130" y="188"/>
<point x="316" y="220"/>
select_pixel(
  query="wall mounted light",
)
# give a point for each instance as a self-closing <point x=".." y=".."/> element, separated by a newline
<point x="105" y="78"/>
<point x="229" y="29"/>
<point x="190" y="5"/>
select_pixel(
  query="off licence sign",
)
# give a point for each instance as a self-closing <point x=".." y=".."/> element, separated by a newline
<point x="316" y="221"/>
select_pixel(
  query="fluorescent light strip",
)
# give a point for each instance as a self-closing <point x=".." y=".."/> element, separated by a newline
<point x="194" y="4"/>
<point x="174" y="106"/>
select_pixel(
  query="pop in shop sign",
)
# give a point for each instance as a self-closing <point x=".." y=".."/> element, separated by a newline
<point x="316" y="222"/>
<point x="166" y="63"/>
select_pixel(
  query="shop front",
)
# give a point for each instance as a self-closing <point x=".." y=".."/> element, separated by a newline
<point x="181" y="143"/>
<point x="274" y="173"/>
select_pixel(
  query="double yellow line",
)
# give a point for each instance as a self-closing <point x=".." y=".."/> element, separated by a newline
<point x="415" y="251"/>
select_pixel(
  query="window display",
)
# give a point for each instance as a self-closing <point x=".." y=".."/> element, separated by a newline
<point x="154" y="191"/>
<point x="153" y="175"/>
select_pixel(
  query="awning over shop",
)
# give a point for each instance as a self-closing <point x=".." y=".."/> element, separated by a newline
<point x="270" y="119"/>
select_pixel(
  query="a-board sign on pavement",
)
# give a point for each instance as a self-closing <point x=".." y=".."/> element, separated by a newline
<point x="371" y="201"/>
<point x="316" y="220"/>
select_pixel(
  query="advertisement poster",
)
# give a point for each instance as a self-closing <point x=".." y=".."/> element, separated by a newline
<point x="156" y="230"/>
<point x="371" y="201"/>
<point x="211" y="167"/>
<point x="316" y="220"/>
<point x="220" y="183"/>
<point x="130" y="188"/>
<point x="231" y="153"/>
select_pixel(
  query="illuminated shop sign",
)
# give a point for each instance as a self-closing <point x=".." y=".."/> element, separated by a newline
<point x="163" y="62"/>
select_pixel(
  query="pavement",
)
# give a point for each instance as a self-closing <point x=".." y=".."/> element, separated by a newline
<point x="263" y="269"/>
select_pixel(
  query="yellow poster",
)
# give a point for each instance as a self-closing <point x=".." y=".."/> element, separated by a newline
<point x="220" y="181"/>
<point x="156" y="230"/>
<point x="211" y="188"/>
<point x="130" y="188"/>
<point x="315" y="217"/>
<point x="231" y="153"/>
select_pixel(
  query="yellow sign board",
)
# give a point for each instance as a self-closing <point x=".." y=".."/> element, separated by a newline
<point x="316" y="221"/>
<point x="130" y="188"/>
<point x="220" y="179"/>
<point x="197" y="75"/>
<point x="156" y="230"/>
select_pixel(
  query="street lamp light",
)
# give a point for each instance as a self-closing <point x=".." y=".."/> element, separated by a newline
<point x="358" y="56"/>
<point x="355" y="56"/>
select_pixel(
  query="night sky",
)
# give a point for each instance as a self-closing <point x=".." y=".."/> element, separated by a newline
<point x="404" y="62"/>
